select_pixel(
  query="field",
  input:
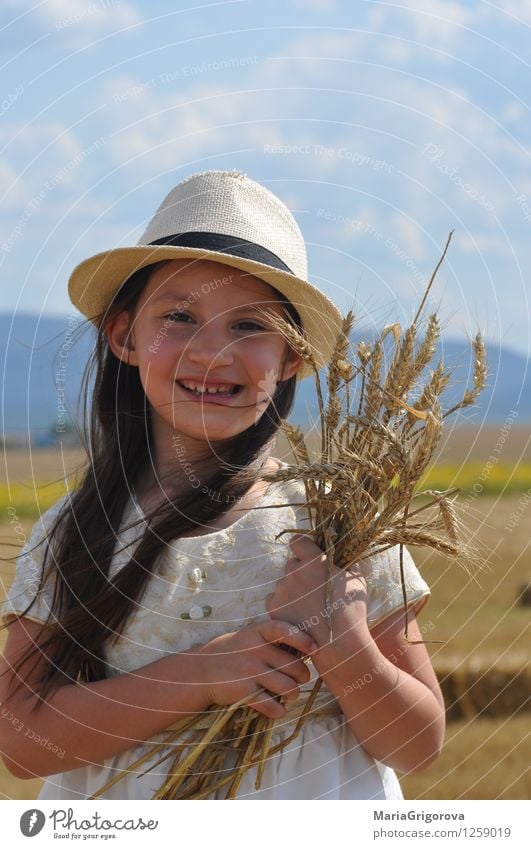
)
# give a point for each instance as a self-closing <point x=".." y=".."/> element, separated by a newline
<point x="482" y="626"/>
<point x="488" y="461"/>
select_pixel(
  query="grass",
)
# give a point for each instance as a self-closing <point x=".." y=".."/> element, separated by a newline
<point x="28" y="501"/>
<point x="30" y="482"/>
<point x="472" y="477"/>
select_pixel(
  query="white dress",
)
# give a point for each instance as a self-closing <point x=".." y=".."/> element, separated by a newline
<point x="242" y="564"/>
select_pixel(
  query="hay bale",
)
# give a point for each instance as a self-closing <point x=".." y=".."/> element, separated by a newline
<point x="477" y="689"/>
<point x="524" y="594"/>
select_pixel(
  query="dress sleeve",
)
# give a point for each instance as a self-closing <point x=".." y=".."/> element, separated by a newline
<point x="382" y="572"/>
<point x="25" y="586"/>
<point x="384" y="588"/>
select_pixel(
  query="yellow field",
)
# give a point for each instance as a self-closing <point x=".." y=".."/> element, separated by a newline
<point x="27" y="500"/>
<point x="477" y="618"/>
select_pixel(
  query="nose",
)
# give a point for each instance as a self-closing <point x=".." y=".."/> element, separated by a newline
<point x="209" y="347"/>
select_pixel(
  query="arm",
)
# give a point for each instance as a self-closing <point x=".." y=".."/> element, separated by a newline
<point x="87" y="723"/>
<point x="387" y="689"/>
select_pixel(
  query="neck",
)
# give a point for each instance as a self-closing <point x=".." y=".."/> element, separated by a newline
<point x="166" y="480"/>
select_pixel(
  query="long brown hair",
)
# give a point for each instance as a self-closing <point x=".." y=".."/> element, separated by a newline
<point x="89" y="609"/>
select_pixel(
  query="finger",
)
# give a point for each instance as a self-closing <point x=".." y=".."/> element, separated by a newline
<point x="278" y="631"/>
<point x="293" y="565"/>
<point x="272" y="608"/>
<point x="298" y="538"/>
<point x="304" y="547"/>
<point x="279" y="684"/>
<point x="269" y="706"/>
<point x="285" y="662"/>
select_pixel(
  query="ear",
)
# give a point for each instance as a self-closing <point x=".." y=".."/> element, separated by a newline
<point x="292" y="364"/>
<point x="120" y="337"/>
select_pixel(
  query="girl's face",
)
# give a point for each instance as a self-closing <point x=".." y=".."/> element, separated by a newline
<point x="196" y="323"/>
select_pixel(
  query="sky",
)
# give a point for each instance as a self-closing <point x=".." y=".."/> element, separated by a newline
<point x="383" y="126"/>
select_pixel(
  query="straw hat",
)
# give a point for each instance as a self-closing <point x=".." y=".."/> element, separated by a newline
<point x="225" y="217"/>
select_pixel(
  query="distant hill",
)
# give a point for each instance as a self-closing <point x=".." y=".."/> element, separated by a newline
<point x="42" y="357"/>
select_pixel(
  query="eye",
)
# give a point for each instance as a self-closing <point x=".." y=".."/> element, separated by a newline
<point x="180" y="317"/>
<point x="252" y="323"/>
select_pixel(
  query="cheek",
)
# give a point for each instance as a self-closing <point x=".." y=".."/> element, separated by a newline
<point x="155" y="371"/>
<point x="159" y="352"/>
<point x="264" y="359"/>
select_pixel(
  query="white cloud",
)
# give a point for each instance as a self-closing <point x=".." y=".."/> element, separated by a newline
<point x="511" y="112"/>
<point x="314" y="5"/>
<point x="77" y="23"/>
<point x="436" y="22"/>
<point x="474" y="243"/>
<point x="40" y="160"/>
<point x="408" y="234"/>
<point x="14" y="197"/>
<point x="164" y="122"/>
<point x="509" y="12"/>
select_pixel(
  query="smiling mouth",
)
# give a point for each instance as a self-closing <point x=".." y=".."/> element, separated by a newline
<point x="211" y="395"/>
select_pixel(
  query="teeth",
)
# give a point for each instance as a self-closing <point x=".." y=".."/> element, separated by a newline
<point x="210" y="390"/>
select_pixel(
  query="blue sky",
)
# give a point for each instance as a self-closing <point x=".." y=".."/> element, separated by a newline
<point x="381" y="125"/>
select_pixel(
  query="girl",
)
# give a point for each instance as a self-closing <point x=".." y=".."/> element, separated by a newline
<point x="158" y="588"/>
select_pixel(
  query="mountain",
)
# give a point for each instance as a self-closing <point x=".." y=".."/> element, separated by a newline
<point x="43" y="358"/>
<point x="507" y="391"/>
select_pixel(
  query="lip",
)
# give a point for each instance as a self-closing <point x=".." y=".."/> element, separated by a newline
<point x="208" y="399"/>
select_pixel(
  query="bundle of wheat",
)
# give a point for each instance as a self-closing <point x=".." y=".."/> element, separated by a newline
<point x="376" y="444"/>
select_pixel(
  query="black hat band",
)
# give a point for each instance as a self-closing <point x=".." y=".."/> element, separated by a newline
<point x="224" y="244"/>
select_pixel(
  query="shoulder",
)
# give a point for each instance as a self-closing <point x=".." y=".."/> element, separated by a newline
<point x="33" y="545"/>
<point x="29" y="581"/>
<point x="48" y="517"/>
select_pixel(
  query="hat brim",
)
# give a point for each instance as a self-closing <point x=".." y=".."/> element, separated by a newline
<point x="94" y="282"/>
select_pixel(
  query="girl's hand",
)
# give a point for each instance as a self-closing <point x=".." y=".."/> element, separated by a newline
<point x="234" y="665"/>
<point x="300" y="596"/>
